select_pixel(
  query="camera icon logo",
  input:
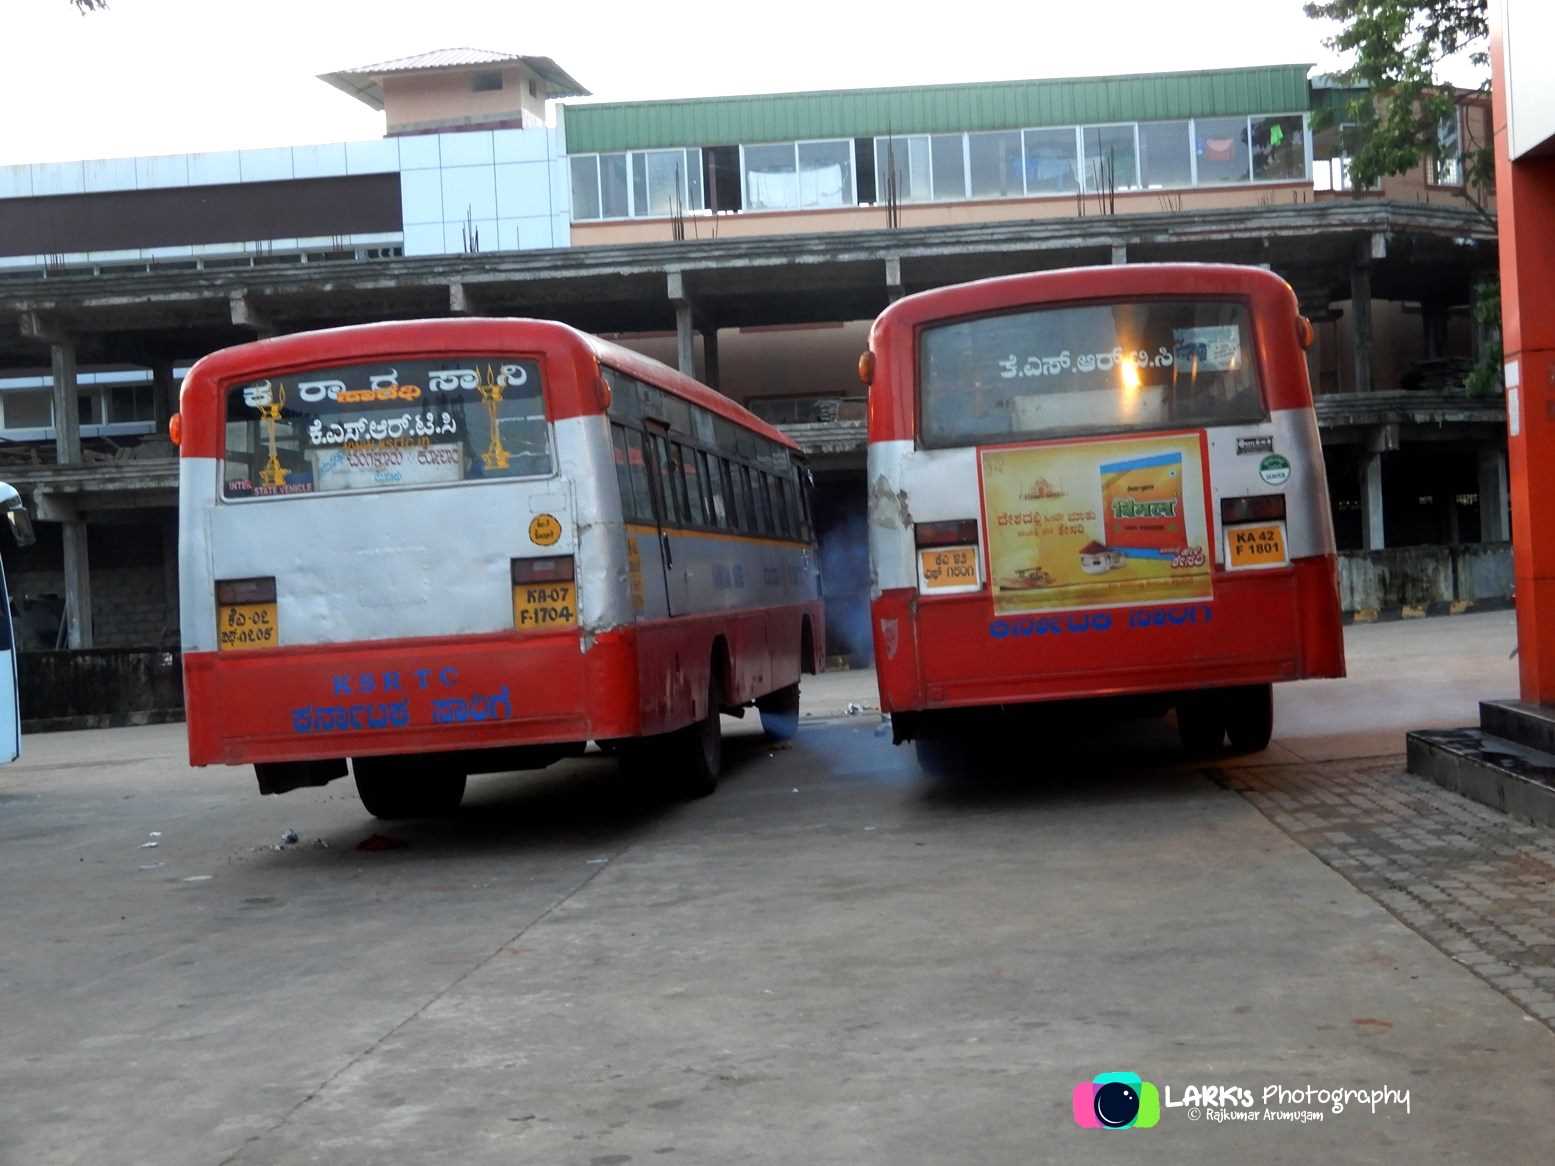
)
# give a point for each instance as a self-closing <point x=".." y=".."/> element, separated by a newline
<point x="1116" y="1101"/>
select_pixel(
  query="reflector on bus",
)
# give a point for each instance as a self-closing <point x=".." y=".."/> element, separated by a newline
<point x="1254" y="508"/>
<point x="946" y="534"/>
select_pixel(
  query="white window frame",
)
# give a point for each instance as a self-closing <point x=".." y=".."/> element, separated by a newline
<point x="1306" y="141"/>
<point x="1138" y="186"/>
<point x="928" y="156"/>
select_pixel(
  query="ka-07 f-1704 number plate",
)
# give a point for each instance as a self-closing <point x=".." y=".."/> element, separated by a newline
<point x="543" y="606"/>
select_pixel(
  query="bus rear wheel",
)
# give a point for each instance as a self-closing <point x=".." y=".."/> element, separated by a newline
<point x="1201" y="723"/>
<point x="392" y="788"/>
<point x="1250" y="717"/>
<point x="780" y="712"/>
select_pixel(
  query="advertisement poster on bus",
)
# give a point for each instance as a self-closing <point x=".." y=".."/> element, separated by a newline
<point x="1093" y="524"/>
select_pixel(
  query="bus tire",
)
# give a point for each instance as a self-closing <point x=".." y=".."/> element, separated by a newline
<point x="945" y="755"/>
<point x="391" y="788"/>
<point x="1250" y="717"/>
<point x="1201" y="724"/>
<point x="780" y="712"/>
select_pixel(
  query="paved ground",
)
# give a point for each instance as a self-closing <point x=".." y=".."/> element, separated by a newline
<point x="833" y="959"/>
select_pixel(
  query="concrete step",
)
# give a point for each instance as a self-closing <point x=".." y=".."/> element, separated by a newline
<point x="1528" y="724"/>
<point x="1505" y="774"/>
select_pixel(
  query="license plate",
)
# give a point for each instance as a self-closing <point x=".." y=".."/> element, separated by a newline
<point x="1256" y="546"/>
<point x="241" y="626"/>
<point x="948" y="568"/>
<point x="540" y="606"/>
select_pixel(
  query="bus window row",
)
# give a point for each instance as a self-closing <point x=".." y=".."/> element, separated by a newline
<point x="669" y="482"/>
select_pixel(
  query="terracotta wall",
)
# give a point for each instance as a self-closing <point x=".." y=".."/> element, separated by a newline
<point x="418" y="98"/>
<point x="758" y="223"/>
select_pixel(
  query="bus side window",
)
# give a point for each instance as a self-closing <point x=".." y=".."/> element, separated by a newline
<point x="763" y="504"/>
<point x="693" y="484"/>
<point x="657" y="465"/>
<point x="736" y="515"/>
<point x="623" y="473"/>
<point x="716" y="514"/>
<point x="674" y="481"/>
<point x="780" y="506"/>
<point x="742" y="483"/>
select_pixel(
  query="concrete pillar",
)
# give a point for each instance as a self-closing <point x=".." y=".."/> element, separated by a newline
<point x="1372" y="533"/>
<point x="67" y="409"/>
<point x="78" y="585"/>
<point x="893" y="279"/>
<point x="1433" y="325"/>
<point x="685" y="335"/>
<point x="1494" y="515"/>
<point x="170" y="577"/>
<point x="1360" y="323"/>
<point x="164" y="394"/>
<point x="710" y="357"/>
<point x="1447" y="505"/>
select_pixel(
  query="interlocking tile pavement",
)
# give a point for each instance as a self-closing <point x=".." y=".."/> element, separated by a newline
<point x="1474" y="882"/>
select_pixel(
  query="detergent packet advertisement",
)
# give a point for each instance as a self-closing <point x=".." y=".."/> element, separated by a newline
<point x="1093" y="524"/>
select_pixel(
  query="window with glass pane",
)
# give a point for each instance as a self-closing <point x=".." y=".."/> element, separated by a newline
<point x="130" y="403"/>
<point x="1220" y="145"/>
<point x="612" y="181"/>
<point x="1109" y="162"/>
<point x="693" y="482"/>
<point x="996" y="165"/>
<point x="637" y="470"/>
<point x="825" y="173"/>
<point x="1164" y="158"/>
<point x="947" y="154"/>
<point x="664" y="182"/>
<point x="771" y="181"/>
<point x="91" y="407"/>
<point x="726" y="475"/>
<point x="906" y="158"/>
<point x="1449" y="151"/>
<point x="1050" y="162"/>
<point x="718" y="510"/>
<point x="624" y="473"/>
<point x="1096" y="368"/>
<point x="1279" y="147"/>
<point x="694" y="179"/>
<point x="397" y="423"/>
<point x="32" y="409"/>
<point x="585" y="187"/>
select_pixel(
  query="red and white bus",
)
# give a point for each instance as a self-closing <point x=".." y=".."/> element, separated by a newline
<point x="446" y="547"/>
<point x="1099" y="482"/>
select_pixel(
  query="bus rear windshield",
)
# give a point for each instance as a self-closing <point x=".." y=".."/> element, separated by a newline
<point x="378" y="426"/>
<point x="1091" y="368"/>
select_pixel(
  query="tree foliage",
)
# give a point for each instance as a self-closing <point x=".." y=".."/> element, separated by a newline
<point x="90" y="5"/>
<point x="1396" y="48"/>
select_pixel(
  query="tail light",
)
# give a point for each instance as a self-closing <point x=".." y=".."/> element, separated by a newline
<point x="554" y="569"/>
<point x="946" y="534"/>
<point x="230" y="592"/>
<point x="1253" y="508"/>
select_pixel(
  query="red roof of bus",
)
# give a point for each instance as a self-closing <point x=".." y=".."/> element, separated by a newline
<point x="201" y="401"/>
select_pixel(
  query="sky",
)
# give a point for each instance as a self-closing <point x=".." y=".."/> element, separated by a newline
<point x="170" y="76"/>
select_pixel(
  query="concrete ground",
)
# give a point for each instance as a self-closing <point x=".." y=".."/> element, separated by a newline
<point x="834" y="959"/>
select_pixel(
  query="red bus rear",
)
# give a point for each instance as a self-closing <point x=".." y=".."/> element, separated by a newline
<point x="1099" y="482"/>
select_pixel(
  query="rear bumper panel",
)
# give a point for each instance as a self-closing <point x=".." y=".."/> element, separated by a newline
<point x="1261" y="627"/>
<point x="409" y="696"/>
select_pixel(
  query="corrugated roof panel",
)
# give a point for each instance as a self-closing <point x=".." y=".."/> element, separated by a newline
<point x="935" y="109"/>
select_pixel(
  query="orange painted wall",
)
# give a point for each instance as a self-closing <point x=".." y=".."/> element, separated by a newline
<point x="418" y="98"/>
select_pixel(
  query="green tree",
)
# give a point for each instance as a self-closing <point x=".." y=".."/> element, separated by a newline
<point x="1396" y="48"/>
<point x="89" y="5"/>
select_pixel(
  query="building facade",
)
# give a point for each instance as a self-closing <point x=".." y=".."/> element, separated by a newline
<point x="749" y="240"/>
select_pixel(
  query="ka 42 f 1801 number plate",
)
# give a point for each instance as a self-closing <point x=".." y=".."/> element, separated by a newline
<point x="1256" y="546"/>
<point x="946" y="569"/>
<point x="545" y="606"/>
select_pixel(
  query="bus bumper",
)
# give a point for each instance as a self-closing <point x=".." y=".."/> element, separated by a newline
<point x="1259" y="629"/>
<point x="331" y="701"/>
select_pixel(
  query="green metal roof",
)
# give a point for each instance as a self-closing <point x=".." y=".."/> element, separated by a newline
<point x="855" y="113"/>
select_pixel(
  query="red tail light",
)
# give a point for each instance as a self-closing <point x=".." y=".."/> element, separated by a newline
<point x="555" y="569"/>
<point x="946" y="534"/>
<point x="1254" y="508"/>
<point x="232" y="591"/>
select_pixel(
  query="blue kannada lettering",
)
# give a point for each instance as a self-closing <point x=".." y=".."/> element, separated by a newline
<point x="1051" y="625"/>
<point x="347" y="718"/>
<point x="496" y="707"/>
